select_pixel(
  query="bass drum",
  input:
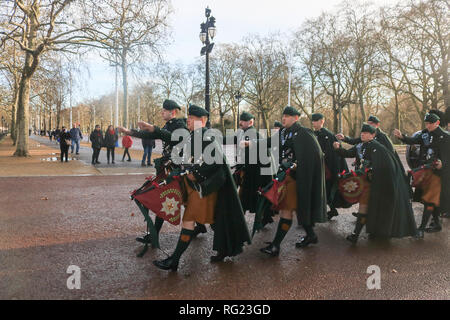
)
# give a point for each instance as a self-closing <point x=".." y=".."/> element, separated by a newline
<point x="413" y="153"/>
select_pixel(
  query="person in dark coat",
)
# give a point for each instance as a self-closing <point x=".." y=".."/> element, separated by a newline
<point x="250" y="166"/>
<point x="306" y="191"/>
<point x="380" y="136"/>
<point x="211" y="195"/>
<point x="334" y="164"/>
<point x="437" y="143"/>
<point x="385" y="207"/>
<point x="97" y="143"/>
<point x="170" y="110"/>
<point x="148" y="145"/>
<point x="64" y="143"/>
<point x="111" y="137"/>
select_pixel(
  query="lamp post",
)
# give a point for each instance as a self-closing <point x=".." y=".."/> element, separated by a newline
<point x="238" y="97"/>
<point x="207" y="30"/>
<point x="3" y="121"/>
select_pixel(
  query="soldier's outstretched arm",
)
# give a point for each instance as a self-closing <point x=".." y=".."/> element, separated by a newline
<point x="350" y="153"/>
<point x="408" y="140"/>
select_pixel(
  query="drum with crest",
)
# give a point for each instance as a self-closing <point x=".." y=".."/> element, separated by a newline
<point x="353" y="184"/>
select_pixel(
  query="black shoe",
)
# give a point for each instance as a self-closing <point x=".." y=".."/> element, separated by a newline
<point x="332" y="213"/>
<point x="217" y="258"/>
<point x="129" y="160"/>
<point x="434" y="228"/>
<point x="271" y="250"/>
<point x="198" y="229"/>
<point x="123" y="160"/>
<point x="98" y="162"/>
<point x="304" y="241"/>
<point x="445" y="215"/>
<point x="113" y="162"/>
<point x="167" y="264"/>
<point x="355" y="214"/>
<point x="145" y="239"/>
<point x="419" y="234"/>
<point x="353" y="238"/>
<point x="142" y="164"/>
<point x="77" y="153"/>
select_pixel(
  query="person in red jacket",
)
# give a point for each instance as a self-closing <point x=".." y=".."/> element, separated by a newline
<point x="127" y="142"/>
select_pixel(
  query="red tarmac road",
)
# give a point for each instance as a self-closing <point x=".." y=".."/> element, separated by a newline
<point x="87" y="222"/>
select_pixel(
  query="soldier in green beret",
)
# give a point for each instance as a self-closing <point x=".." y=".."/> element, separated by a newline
<point x="210" y="194"/>
<point x="435" y="142"/>
<point x="384" y="208"/>
<point x="305" y="186"/>
<point x="170" y="111"/>
<point x="249" y="167"/>
<point x="277" y="125"/>
<point x="334" y="164"/>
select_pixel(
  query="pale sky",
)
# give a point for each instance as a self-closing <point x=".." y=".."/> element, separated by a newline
<point x="234" y="20"/>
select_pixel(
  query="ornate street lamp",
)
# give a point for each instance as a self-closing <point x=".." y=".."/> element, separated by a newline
<point x="207" y="30"/>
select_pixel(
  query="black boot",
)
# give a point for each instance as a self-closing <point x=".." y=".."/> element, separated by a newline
<point x="199" y="228"/>
<point x="425" y="217"/>
<point x="218" y="258"/>
<point x="169" y="263"/>
<point x="271" y="250"/>
<point x="310" y="238"/>
<point x="360" y="222"/>
<point x="332" y="213"/>
<point x="145" y="239"/>
<point x="436" y="227"/>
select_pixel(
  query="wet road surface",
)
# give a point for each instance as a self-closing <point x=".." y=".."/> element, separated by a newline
<point x="50" y="223"/>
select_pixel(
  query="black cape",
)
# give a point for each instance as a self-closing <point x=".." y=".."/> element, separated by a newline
<point x="390" y="213"/>
<point x="441" y="145"/>
<point x="309" y="175"/>
<point x="335" y="164"/>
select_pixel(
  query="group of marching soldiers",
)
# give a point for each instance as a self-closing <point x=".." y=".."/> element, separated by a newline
<point x="311" y="162"/>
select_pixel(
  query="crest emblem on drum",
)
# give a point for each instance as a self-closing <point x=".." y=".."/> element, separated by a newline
<point x="170" y="206"/>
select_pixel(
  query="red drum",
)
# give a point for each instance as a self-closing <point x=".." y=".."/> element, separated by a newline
<point x="164" y="200"/>
<point x="352" y="186"/>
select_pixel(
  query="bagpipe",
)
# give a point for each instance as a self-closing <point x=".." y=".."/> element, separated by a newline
<point x="161" y="194"/>
<point x="272" y="194"/>
<point x="353" y="184"/>
<point x="421" y="176"/>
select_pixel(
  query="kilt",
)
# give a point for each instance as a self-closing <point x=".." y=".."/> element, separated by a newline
<point x="289" y="201"/>
<point x="431" y="191"/>
<point x="198" y="209"/>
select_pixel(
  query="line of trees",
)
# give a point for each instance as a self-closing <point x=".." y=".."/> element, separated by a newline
<point x="358" y="60"/>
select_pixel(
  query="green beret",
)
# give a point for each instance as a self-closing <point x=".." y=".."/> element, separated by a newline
<point x="373" y="119"/>
<point x="246" y="116"/>
<point x="291" y="111"/>
<point x="170" y="105"/>
<point x="277" y="124"/>
<point x="316" y="116"/>
<point x="431" y="117"/>
<point x="368" y="128"/>
<point x="197" y="111"/>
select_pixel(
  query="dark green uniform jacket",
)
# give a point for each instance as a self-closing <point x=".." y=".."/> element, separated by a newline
<point x="390" y="212"/>
<point x="299" y="144"/>
<point x="382" y="138"/>
<point x="230" y="228"/>
<point x="441" y="144"/>
<point x="253" y="178"/>
<point x="170" y="126"/>
<point x="335" y="164"/>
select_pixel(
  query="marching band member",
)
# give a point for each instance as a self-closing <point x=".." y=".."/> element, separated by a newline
<point x="211" y="196"/>
<point x="334" y="164"/>
<point x="384" y="207"/>
<point x="435" y="149"/>
<point x="306" y="192"/>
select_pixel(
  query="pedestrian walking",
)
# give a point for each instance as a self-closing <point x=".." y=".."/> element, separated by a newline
<point x="111" y="137"/>
<point x="97" y="142"/>
<point x="64" y="143"/>
<point x="148" y="145"/>
<point x="76" y="136"/>
<point x="127" y="142"/>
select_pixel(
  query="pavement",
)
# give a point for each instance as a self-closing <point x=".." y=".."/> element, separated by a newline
<point x="51" y="222"/>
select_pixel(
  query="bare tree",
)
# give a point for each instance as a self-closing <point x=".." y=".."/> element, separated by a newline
<point x="129" y="31"/>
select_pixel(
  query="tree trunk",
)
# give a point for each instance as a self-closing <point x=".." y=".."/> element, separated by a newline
<point x="125" y="89"/>
<point x="23" y="110"/>
<point x="14" y="116"/>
